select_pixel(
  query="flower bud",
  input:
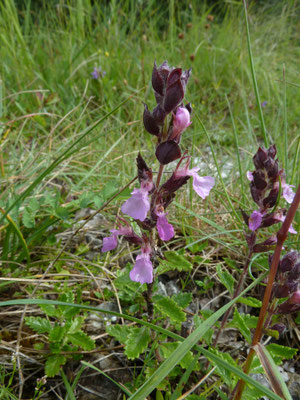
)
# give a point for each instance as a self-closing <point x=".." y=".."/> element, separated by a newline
<point x="294" y="274"/>
<point x="279" y="328"/>
<point x="288" y="261"/>
<point x="167" y="152"/>
<point x="260" y="157"/>
<point x="295" y="298"/>
<point x="281" y="291"/>
<point x="150" y="123"/>
<point x="181" y="121"/>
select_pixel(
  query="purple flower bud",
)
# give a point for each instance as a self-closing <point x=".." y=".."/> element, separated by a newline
<point x="281" y="291"/>
<point x="259" y="180"/>
<point x="167" y="152"/>
<point x="295" y="298"/>
<point x="157" y="79"/>
<point x="150" y="124"/>
<point x="266" y="245"/>
<point x="143" y="269"/>
<point x="260" y="157"/>
<point x="288" y="261"/>
<point x="272" y="151"/>
<point x="293" y="286"/>
<point x="294" y="274"/>
<point x="271" y="199"/>
<point x="278" y="327"/>
<point x="181" y="120"/>
<point x="174" y="96"/>
<point x="159" y="115"/>
<point x="164" y="228"/>
<point x="255" y="220"/>
<point x="138" y="205"/>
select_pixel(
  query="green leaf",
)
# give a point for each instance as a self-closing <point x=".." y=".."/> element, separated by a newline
<point x="241" y="325"/>
<point x="120" y="332"/>
<point x="38" y="324"/>
<point x="137" y="342"/>
<point x="183" y="299"/>
<point x="281" y="352"/>
<point x="168" y="307"/>
<point x="226" y="278"/>
<point x="173" y="261"/>
<point x="28" y="218"/>
<point x="82" y="340"/>
<point x="53" y="364"/>
<point x="166" y="349"/>
<point x="57" y="333"/>
<point x="227" y="375"/>
<point x="250" y="301"/>
<point x="76" y="325"/>
<point x="49" y="310"/>
<point x="109" y="190"/>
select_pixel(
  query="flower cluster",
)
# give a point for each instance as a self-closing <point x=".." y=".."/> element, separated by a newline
<point x="267" y="183"/>
<point x="98" y="73"/>
<point x="287" y="282"/>
<point x="147" y="204"/>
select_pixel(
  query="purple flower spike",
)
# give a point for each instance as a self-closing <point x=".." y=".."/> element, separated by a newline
<point x="143" y="269"/>
<point x="164" y="228"/>
<point x="201" y="184"/>
<point x="255" y="220"/>
<point x="95" y="74"/>
<point x="138" y="205"/>
<point x="180" y="122"/>
<point x="287" y="192"/>
<point x="109" y="243"/>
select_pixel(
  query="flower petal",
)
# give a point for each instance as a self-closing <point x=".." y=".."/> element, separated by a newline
<point x="143" y="269"/>
<point x="109" y="243"/>
<point x="255" y="220"/>
<point x="164" y="228"/>
<point x="287" y="193"/>
<point x="249" y="176"/>
<point x="138" y="205"/>
<point x="201" y="184"/>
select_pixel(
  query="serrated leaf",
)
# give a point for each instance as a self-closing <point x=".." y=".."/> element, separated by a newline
<point x="53" y="364"/>
<point x="57" y="333"/>
<point x="166" y="349"/>
<point x="137" y="342"/>
<point x="28" y="218"/>
<point x="33" y="205"/>
<point x="226" y="278"/>
<point x="183" y="299"/>
<point x="227" y="375"/>
<point x="250" y="301"/>
<point x="109" y="190"/>
<point x="241" y="325"/>
<point x="120" y="332"/>
<point x="82" y="340"/>
<point x="168" y="307"/>
<point x="173" y="262"/>
<point x="282" y="352"/>
<point x="76" y="325"/>
<point x="38" y="324"/>
<point x="49" y="310"/>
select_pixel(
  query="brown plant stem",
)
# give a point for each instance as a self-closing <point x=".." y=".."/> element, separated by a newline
<point x="281" y="237"/>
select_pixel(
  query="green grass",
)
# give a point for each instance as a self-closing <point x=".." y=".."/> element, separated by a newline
<point x="68" y="141"/>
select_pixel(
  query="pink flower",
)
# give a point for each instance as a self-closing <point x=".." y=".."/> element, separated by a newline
<point x="138" y="205"/>
<point x="201" y="184"/>
<point x="180" y="122"/>
<point x="143" y="269"/>
<point x="250" y="176"/>
<point x="109" y="243"/>
<point x="165" y="230"/>
<point x="255" y="220"/>
<point x="287" y="192"/>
